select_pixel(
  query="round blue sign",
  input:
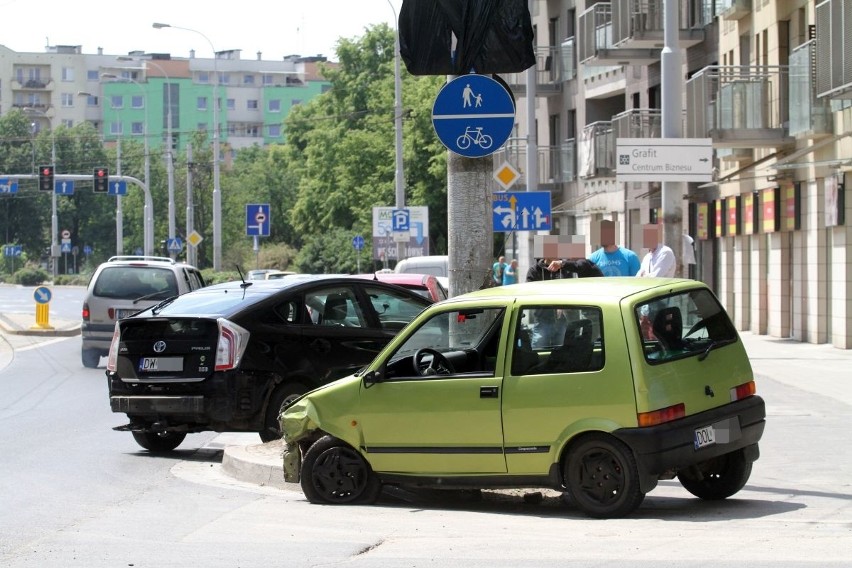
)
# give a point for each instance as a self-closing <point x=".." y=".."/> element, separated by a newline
<point x="42" y="295"/>
<point x="473" y="115"/>
<point x="358" y="242"/>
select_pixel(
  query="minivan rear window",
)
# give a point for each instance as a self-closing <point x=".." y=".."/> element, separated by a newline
<point x="682" y="325"/>
<point x="132" y="282"/>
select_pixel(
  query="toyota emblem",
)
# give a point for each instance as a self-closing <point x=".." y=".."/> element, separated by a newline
<point x="160" y="346"/>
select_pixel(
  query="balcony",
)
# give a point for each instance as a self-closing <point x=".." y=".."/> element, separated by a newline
<point x="810" y="117"/>
<point x="638" y="123"/>
<point x="34" y="84"/>
<point x="739" y="106"/>
<point x="639" y="24"/>
<point x="733" y="9"/>
<point x="551" y="171"/>
<point x="549" y="73"/>
<point x="596" y="151"/>
<point x="833" y="49"/>
<point x="596" y="42"/>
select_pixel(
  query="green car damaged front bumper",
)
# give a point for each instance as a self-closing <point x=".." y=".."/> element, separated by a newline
<point x="297" y="422"/>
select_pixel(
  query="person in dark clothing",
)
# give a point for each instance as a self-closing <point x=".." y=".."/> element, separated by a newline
<point x="548" y="325"/>
<point x="553" y="269"/>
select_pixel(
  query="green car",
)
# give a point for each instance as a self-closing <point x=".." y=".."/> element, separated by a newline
<point x="598" y="387"/>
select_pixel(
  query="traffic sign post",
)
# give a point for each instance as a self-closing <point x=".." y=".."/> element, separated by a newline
<point x="521" y="211"/>
<point x="664" y="159"/>
<point x="42" y="296"/>
<point x="473" y="115"/>
<point x="358" y="245"/>
<point x="257" y="220"/>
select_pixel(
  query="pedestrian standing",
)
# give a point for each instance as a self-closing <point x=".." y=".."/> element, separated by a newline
<point x="510" y="273"/>
<point x="660" y="260"/>
<point x="612" y="259"/>
<point x="497" y="270"/>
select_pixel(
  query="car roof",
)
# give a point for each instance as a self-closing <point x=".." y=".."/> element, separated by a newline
<point x="613" y="288"/>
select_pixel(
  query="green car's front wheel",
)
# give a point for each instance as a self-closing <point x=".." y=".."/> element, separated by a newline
<point x="333" y="472"/>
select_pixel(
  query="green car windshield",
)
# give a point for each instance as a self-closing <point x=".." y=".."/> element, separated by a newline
<point x="452" y="331"/>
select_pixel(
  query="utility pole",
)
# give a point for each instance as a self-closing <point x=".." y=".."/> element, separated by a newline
<point x="672" y="111"/>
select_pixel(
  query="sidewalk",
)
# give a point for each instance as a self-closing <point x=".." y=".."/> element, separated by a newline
<point x="815" y="368"/>
<point x="25" y="324"/>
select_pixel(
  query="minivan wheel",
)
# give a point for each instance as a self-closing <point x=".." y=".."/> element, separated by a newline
<point x="281" y="396"/>
<point x="602" y="477"/>
<point x="334" y="473"/>
<point x="163" y="442"/>
<point x="718" y="478"/>
<point x="91" y="358"/>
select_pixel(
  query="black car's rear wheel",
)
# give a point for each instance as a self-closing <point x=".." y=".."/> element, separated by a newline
<point x="281" y="396"/>
<point x="718" y="478"/>
<point x="602" y="477"/>
<point x="162" y="442"/>
<point x="334" y="473"/>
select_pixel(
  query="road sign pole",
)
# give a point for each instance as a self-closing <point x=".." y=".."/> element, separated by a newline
<point x="672" y="77"/>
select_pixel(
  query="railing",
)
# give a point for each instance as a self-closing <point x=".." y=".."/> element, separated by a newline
<point x="638" y="123"/>
<point x="568" y="152"/>
<point x="549" y="70"/>
<point x="550" y="160"/>
<point x="736" y="98"/>
<point x="569" y="59"/>
<point x="808" y="114"/>
<point x="595" y="31"/>
<point x="596" y="151"/>
<point x="22" y="83"/>
<point x="641" y="17"/>
<point x="733" y="9"/>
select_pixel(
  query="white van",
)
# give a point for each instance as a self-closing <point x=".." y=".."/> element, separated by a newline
<point x="435" y="265"/>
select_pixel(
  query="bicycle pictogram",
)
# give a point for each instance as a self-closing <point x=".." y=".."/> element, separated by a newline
<point x="475" y="136"/>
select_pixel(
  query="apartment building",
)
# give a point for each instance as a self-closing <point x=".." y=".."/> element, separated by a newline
<point x="157" y="96"/>
<point x="769" y="82"/>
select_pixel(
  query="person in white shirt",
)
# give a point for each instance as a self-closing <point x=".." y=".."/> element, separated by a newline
<point x="660" y="260"/>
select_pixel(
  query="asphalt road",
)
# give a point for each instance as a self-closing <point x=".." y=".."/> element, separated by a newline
<point x="73" y="492"/>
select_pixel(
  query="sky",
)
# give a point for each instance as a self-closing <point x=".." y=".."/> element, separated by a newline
<point x="277" y="29"/>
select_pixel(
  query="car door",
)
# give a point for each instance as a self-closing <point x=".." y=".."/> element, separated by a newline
<point x="447" y="422"/>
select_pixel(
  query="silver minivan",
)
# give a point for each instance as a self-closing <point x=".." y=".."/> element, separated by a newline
<point x="124" y="285"/>
<point x="437" y="265"/>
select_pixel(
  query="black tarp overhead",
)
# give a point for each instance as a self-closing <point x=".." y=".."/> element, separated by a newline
<point x="492" y="36"/>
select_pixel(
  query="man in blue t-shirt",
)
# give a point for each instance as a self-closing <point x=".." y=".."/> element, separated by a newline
<point x="612" y="259"/>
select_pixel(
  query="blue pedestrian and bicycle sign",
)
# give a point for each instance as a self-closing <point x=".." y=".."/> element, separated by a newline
<point x="257" y="220"/>
<point x="358" y="242"/>
<point x="473" y="115"/>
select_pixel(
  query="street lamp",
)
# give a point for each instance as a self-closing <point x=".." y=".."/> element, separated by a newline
<point x="148" y="221"/>
<point x="170" y="169"/>
<point x="54" y="220"/>
<point x="217" y="194"/>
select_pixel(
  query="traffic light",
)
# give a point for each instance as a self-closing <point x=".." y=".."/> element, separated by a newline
<point x="101" y="177"/>
<point x="45" y="178"/>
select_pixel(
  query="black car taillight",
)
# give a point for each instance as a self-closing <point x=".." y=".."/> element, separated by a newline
<point x="112" y="354"/>
<point x="232" y="343"/>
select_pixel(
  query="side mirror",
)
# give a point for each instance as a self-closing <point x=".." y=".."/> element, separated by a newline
<point x="373" y="377"/>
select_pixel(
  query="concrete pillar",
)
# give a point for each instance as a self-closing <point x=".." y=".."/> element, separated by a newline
<point x="840" y="285"/>
<point x="815" y="263"/>
<point x="741" y="271"/>
<point x="759" y="269"/>
<point x="778" y="285"/>
<point x="727" y="293"/>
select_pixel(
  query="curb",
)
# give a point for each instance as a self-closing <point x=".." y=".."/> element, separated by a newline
<point x="258" y="463"/>
<point x="8" y="325"/>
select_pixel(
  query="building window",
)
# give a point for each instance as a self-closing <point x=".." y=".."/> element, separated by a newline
<point x="92" y="75"/>
<point x="275" y="105"/>
<point x="251" y="104"/>
<point x="268" y="79"/>
<point x="248" y="79"/>
<point x="224" y="78"/>
<point x="115" y="128"/>
<point x="67" y="73"/>
<point x="203" y="77"/>
<point x="136" y="101"/>
<point x="67" y="123"/>
<point x="202" y="127"/>
<point x="137" y="128"/>
<point x="232" y="104"/>
<point x="67" y="100"/>
<point x="275" y="131"/>
<point x="252" y="131"/>
<point x="201" y="103"/>
<point x="116" y="101"/>
<point x="295" y="102"/>
<point x="92" y="101"/>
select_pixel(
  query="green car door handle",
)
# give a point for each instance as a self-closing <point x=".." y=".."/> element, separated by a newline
<point x="488" y="392"/>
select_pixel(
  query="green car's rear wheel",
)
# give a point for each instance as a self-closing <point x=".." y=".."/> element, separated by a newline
<point x="718" y="478"/>
<point x="334" y="472"/>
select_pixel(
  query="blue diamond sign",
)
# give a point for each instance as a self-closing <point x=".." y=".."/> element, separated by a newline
<point x="473" y="115"/>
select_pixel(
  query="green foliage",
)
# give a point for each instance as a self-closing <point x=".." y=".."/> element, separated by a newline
<point x="279" y="256"/>
<point x="212" y="277"/>
<point x="30" y="276"/>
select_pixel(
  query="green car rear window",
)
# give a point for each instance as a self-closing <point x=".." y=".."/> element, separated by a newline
<point x="682" y="325"/>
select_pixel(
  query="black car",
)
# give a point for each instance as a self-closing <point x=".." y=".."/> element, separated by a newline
<point x="226" y="358"/>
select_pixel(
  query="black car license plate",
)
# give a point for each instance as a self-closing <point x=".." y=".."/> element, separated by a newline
<point x="159" y="364"/>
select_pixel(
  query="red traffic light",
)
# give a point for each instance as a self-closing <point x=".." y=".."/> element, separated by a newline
<point x="47" y="171"/>
<point x="100" y="173"/>
<point x="101" y="180"/>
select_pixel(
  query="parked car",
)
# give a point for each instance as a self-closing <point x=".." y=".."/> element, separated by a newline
<point x="229" y="356"/>
<point x="436" y="265"/>
<point x="124" y="285"/>
<point x="598" y="387"/>
<point x="426" y="285"/>
<point x="277" y="274"/>
<point x="259" y="274"/>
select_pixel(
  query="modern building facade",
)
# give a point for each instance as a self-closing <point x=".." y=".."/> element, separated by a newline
<point x="157" y="96"/>
<point x="769" y="82"/>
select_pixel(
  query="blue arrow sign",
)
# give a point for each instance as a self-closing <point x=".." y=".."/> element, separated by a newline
<point x="42" y="295"/>
<point x="174" y="245"/>
<point x="473" y="115"/>
<point x="358" y="242"/>
<point x="8" y="185"/>
<point x="257" y="220"/>
<point x="521" y="211"/>
<point x="12" y="250"/>
<point x="117" y="188"/>
<point x="63" y="187"/>
<point x="87" y="250"/>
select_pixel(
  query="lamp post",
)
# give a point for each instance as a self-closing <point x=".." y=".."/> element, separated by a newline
<point x="54" y="220"/>
<point x="399" y="178"/>
<point x="119" y="214"/>
<point x="170" y="168"/>
<point x="217" y="194"/>
<point x="148" y="220"/>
